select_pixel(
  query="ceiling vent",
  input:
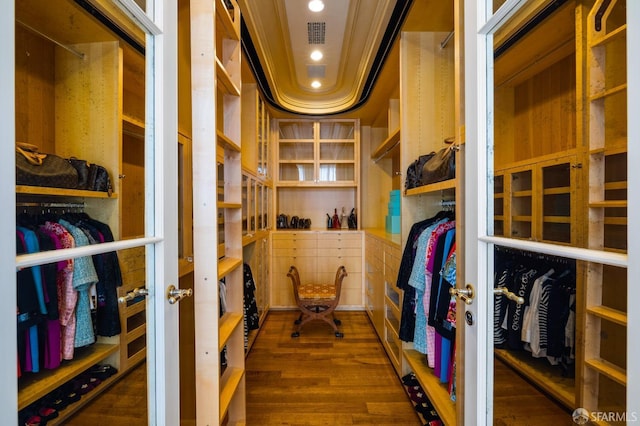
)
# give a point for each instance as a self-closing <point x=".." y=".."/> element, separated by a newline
<point x="316" y="71"/>
<point x="316" y="32"/>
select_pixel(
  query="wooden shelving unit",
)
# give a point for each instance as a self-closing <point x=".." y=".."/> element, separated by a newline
<point x="217" y="181"/>
<point x="604" y="379"/>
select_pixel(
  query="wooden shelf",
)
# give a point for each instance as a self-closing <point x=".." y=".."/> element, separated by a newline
<point x="226" y="265"/>
<point x="225" y="205"/>
<point x="62" y="192"/>
<point x="609" y="92"/>
<point x="608" y="204"/>
<point x="620" y="221"/>
<point x="619" y="32"/>
<point x="226" y="142"/>
<point x="609" y="314"/>
<point x="608" y="369"/>
<point x="436" y="391"/>
<point x="556" y="219"/>
<point x="541" y="373"/>
<point x="32" y="387"/>
<point x="557" y="190"/>
<point x="249" y="239"/>
<point x="224" y="80"/>
<point x="434" y="187"/>
<point x="228" y="324"/>
<point x="387" y="146"/>
<point x="382" y="234"/>
<point x="229" y="384"/>
<point x="230" y="26"/>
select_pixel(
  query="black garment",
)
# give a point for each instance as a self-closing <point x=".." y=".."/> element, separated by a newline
<point x="558" y="315"/>
<point x="109" y="279"/>
<point x="49" y="275"/>
<point x="522" y="285"/>
<point x="251" y="315"/>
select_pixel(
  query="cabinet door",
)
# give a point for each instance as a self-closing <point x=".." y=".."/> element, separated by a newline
<point x="337" y="152"/>
<point x="292" y="249"/>
<point x="296" y="152"/>
<point x="324" y="152"/>
<point x="337" y="249"/>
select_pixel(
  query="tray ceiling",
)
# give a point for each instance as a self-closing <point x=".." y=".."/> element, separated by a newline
<point x="354" y="36"/>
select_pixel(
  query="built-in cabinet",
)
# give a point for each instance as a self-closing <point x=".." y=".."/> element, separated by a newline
<point x="383" y="299"/>
<point x="257" y="196"/>
<point x="317" y="255"/>
<point x="317" y="175"/>
<point x="317" y="169"/>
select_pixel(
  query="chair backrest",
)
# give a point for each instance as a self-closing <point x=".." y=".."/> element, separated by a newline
<point x="340" y="274"/>
<point x="295" y="281"/>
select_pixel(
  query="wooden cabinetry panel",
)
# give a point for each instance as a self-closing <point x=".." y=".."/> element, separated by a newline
<point x="316" y="264"/>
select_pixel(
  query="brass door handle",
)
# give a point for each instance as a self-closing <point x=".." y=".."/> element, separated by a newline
<point x="133" y="294"/>
<point x="176" y="294"/>
<point x="503" y="291"/>
<point x="466" y="294"/>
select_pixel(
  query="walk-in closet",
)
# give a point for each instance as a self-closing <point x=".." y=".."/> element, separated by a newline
<point x="269" y="212"/>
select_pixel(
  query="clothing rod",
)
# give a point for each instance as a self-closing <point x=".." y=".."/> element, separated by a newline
<point x="52" y="205"/>
<point x="64" y="46"/>
<point x="381" y="156"/>
<point x="446" y="40"/>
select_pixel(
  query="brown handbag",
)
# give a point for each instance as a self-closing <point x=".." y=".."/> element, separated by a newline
<point x="34" y="168"/>
<point x="442" y="166"/>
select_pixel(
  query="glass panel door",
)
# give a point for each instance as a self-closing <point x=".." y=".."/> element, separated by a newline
<point x="549" y="136"/>
<point x="98" y="68"/>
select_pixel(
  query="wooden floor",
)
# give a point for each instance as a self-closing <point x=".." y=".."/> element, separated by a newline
<point x="318" y="379"/>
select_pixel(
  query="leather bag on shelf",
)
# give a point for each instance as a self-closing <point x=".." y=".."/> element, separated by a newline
<point x="413" y="178"/>
<point x="82" y="167"/>
<point x="442" y="166"/>
<point x="99" y="179"/>
<point x="34" y="168"/>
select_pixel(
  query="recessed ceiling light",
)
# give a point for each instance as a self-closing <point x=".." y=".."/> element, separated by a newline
<point x="316" y="5"/>
<point x="316" y="55"/>
<point x="315" y="84"/>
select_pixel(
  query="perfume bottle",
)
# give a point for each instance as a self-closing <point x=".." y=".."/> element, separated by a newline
<point x="335" y="222"/>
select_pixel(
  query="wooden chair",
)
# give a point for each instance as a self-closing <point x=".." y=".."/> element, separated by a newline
<point x="317" y="301"/>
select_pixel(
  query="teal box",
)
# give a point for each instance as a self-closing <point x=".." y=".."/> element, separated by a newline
<point x="394" y="194"/>
<point x="393" y="210"/>
<point x="392" y="224"/>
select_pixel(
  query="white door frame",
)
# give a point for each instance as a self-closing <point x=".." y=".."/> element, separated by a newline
<point x="480" y="24"/>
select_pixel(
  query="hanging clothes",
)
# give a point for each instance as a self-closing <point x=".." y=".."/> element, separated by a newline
<point x="545" y="324"/>
<point x="251" y="315"/>
<point x="63" y="305"/>
<point x="407" y="319"/>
